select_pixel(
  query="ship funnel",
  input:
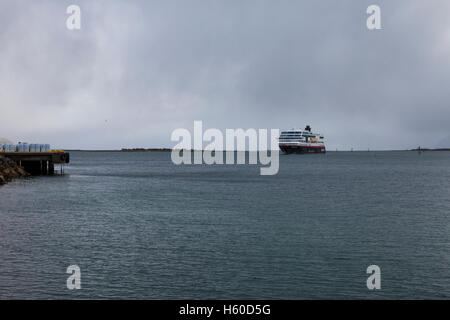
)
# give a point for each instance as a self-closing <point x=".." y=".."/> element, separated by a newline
<point x="308" y="128"/>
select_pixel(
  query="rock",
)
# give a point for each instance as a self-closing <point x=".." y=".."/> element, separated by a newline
<point x="22" y="172"/>
<point x="9" y="170"/>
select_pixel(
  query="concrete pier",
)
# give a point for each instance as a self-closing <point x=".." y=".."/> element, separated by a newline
<point x="38" y="162"/>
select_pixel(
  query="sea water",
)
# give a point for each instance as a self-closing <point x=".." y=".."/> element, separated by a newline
<point x="140" y="227"/>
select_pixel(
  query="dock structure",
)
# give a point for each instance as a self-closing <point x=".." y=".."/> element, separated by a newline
<point x="38" y="162"/>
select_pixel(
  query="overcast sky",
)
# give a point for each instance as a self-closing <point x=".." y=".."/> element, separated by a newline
<point x="137" y="70"/>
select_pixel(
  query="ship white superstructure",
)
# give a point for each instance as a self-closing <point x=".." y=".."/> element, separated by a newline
<point x="301" y="141"/>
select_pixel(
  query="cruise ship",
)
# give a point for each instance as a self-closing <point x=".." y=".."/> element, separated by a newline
<point x="301" y="141"/>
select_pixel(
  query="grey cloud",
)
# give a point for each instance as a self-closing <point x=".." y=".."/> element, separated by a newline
<point x="139" y="69"/>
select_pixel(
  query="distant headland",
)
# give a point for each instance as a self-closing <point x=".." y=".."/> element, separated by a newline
<point x="125" y="150"/>
<point x="169" y="150"/>
<point x="426" y="149"/>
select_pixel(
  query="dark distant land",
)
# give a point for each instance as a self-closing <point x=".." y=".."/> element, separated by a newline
<point x="425" y="149"/>
<point x="125" y="150"/>
<point x="169" y="149"/>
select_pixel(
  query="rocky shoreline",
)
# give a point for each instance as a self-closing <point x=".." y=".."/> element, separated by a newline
<point x="9" y="170"/>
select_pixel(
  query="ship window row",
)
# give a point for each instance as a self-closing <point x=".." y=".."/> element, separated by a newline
<point x="298" y="136"/>
<point x="294" y="137"/>
<point x="291" y="134"/>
